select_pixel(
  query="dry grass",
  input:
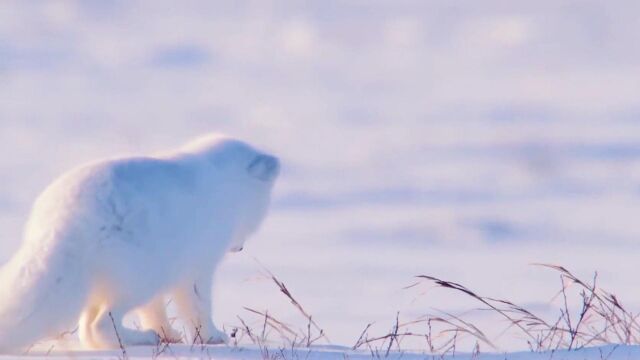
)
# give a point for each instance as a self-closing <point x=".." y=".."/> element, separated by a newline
<point x="125" y="356"/>
<point x="275" y="338"/>
<point x="598" y="319"/>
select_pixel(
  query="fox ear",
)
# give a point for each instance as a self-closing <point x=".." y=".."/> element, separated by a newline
<point x="264" y="167"/>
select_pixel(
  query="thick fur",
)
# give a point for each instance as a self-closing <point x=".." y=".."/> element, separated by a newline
<point x="128" y="234"/>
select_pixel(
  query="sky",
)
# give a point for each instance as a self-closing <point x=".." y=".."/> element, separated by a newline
<point x="460" y="139"/>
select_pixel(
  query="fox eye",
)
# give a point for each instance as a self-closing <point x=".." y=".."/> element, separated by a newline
<point x="264" y="167"/>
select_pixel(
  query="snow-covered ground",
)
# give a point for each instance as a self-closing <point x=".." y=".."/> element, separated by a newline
<point x="333" y="353"/>
<point x="463" y="140"/>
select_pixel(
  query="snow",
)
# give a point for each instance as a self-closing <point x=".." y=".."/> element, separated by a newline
<point x="331" y="353"/>
<point x="464" y="140"/>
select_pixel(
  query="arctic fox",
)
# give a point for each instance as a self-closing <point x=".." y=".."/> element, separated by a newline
<point x="128" y="234"/>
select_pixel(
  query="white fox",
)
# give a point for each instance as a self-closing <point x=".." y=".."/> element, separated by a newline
<point x="127" y="234"/>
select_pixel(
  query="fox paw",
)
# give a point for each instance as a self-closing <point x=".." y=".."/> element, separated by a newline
<point x="170" y="336"/>
<point x="216" y="337"/>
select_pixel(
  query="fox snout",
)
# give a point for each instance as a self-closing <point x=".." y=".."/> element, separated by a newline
<point x="264" y="167"/>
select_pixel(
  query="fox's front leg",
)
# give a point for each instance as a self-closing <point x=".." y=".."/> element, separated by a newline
<point x="153" y="316"/>
<point x="193" y="303"/>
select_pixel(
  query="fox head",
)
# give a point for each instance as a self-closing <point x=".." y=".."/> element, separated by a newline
<point x="242" y="178"/>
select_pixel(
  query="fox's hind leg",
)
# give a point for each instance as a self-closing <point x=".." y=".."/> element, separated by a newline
<point x="153" y="316"/>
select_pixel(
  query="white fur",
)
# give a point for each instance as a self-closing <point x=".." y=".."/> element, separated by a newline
<point x="124" y="234"/>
